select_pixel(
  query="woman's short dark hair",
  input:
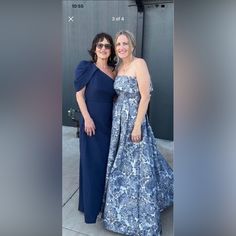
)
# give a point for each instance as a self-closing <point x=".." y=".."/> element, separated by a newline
<point x="98" y="38"/>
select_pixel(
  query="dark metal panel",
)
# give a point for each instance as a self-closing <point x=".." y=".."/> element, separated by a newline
<point x="89" y="18"/>
<point x="139" y="35"/>
<point x="158" y="52"/>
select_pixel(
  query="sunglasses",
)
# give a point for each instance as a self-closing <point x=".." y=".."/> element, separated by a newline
<point x="106" y="45"/>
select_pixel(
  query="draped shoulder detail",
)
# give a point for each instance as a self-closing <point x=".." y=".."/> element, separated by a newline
<point x="83" y="74"/>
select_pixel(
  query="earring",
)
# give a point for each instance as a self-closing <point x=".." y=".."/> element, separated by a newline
<point x="95" y="57"/>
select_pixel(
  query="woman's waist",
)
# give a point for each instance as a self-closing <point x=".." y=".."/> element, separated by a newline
<point x="128" y="99"/>
<point x="128" y="95"/>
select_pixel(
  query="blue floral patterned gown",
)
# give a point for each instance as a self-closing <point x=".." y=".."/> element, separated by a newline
<point x="94" y="150"/>
<point x="139" y="181"/>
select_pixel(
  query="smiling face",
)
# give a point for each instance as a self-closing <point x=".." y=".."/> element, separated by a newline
<point x="123" y="46"/>
<point x="103" y="49"/>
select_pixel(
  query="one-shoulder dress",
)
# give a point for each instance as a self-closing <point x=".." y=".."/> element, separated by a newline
<point x="94" y="150"/>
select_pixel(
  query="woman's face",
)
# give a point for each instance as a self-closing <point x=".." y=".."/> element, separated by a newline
<point x="123" y="47"/>
<point x="103" y="49"/>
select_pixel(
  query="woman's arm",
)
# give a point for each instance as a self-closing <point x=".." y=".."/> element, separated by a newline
<point x="89" y="126"/>
<point x="143" y="79"/>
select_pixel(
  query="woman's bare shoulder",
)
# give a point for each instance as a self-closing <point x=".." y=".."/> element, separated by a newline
<point x="140" y="65"/>
<point x="139" y="61"/>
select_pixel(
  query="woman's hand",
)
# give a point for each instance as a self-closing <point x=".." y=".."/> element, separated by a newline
<point x="136" y="135"/>
<point x="89" y="126"/>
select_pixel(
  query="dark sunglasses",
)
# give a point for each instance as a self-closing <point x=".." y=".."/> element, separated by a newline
<point x="106" y="45"/>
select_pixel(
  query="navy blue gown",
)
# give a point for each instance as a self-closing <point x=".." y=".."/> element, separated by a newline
<point x="94" y="150"/>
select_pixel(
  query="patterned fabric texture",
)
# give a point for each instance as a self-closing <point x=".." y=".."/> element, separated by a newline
<point x="139" y="181"/>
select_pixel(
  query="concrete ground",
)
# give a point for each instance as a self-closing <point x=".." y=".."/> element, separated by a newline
<point x="73" y="221"/>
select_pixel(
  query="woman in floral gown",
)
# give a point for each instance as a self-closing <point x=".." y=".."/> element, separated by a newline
<point x="139" y="181"/>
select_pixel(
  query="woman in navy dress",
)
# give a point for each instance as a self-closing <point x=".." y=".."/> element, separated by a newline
<point x="94" y="95"/>
<point x="139" y="181"/>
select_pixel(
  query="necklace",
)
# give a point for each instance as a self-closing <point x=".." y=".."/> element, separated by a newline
<point x="102" y="67"/>
<point x="105" y="69"/>
<point x="125" y="67"/>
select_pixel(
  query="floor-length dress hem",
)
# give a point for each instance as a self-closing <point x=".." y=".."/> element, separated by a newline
<point x="94" y="150"/>
<point x="139" y="181"/>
